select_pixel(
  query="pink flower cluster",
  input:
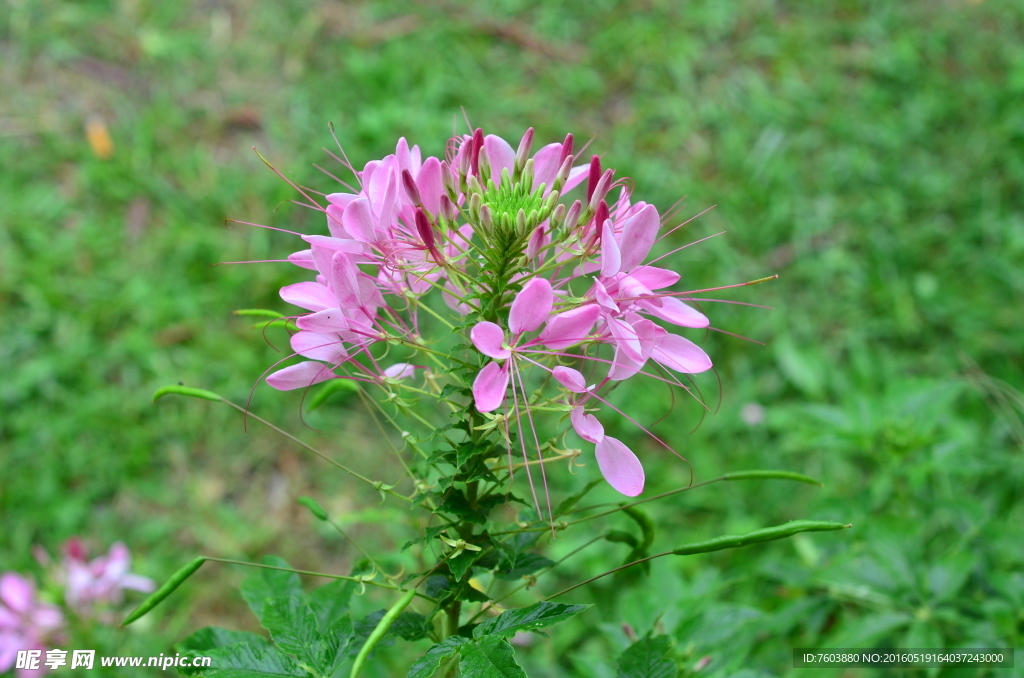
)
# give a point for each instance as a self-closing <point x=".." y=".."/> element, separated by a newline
<point x="27" y="623"/>
<point x="546" y="283"/>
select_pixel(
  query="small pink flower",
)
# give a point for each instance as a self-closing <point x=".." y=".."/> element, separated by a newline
<point x="101" y="581"/>
<point x="26" y="623"/>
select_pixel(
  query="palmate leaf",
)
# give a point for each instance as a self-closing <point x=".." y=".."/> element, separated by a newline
<point x="425" y="666"/>
<point x="264" y="584"/>
<point x="248" y="661"/>
<point x="489" y="657"/>
<point x="294" y="629"/>
<point x="537" y="616"/>
<point x="649" y="657"/>
<point x="211" y="637"/>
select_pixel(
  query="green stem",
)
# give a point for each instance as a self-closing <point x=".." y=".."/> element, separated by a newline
<point x="380" y="631"/>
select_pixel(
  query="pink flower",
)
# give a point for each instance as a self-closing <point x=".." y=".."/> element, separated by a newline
<point x="101" y="581"/>
<point x="25" y="622"/>
<point x="550" y="286"/>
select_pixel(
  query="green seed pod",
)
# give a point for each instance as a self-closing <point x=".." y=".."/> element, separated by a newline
<point x="185" y="391"/>
<point x="778" y="475"/>
<point x="314" y="507"/>
<point x="731" y="541"/>
<point x="174" y="582"/>
<point x="380" y="631"/>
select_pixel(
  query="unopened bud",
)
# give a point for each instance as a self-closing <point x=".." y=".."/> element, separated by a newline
<point x="410" y="188"/>
<point x="572" y="217"/>
<point x="595" y="176"/>
<point x="527" y="178"/>
<point x="563" y="173"/>
<point x="557" y="215"/>
<point x="474" y="155"/>
<point x="475" y="201"/>
<point x="566" y="148"/>
<point x="447" y="209"/>
<point x="465" y="159"/>
<point x="521" y="222"/>
<point x="448" y="180"/>
<point x="523" y="152"/>
<point x="601" y="189"/>
<point x="484" y="166"/>
<point x="551" y="201"/>
<point x="506" y="180"/>
<point x="601" y="215"/>
<point x="486" y="219"/>
<point x="538" y="241"/>
<point x="474" y="184"/>
<point x="424" y="230"/>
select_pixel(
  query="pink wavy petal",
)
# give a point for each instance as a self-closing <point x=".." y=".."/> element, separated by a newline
<point x="359" y="222"/>
<point x="611" y="260"/>
<point x="428" y="183"/>
<point x="638" y="235"/>
<point x="400" y="370"/>
<point x="344" y="277"/>
<point x="303" y="258"/>
<point x="309" y="295"/>
<point x="676" y="312"/>
<point x="624" y="367"/>
<point x="681" y="355"/>
<point x="501" y="155"/>
<point x="586" y="425"/>
<point x="488" y="339"/>
<point x="545" y="165"/>
<point x="654" y="278"/>
<point x="620" y="467"/>
<point x="569" y="378"/>
<point x="531" y="307"/>
<point x="328" y="320"/>
<point x="490" y="386"/>
<point x="316" y="346"/>
<point x="571" y="327"/>
<point x="17" y="592"/>
<point x="300" y="376"/>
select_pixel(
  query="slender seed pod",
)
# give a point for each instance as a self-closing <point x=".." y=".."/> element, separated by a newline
<point x="314" y="507"/>
<point x="176" y="580"/>
<point x="777" y="475"/>
<point x="380" y="631"/>
<point x="731" y="541"/>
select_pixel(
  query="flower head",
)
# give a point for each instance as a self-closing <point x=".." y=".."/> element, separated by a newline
<point x="544" y="287"/>
<point x="26" y="623"/>
<point x="100" y="581"/>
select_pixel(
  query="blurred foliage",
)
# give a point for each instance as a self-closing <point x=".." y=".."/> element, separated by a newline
<point x="871" y="153"/>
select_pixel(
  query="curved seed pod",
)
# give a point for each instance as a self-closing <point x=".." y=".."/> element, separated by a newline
<point x="732" y="541"/>
<point x="380" y="631"/>
<point x="174" y="582"/>
<point x="778" y="475"/>
<point x="314" y="507"/>
<point x="185" y="391"/>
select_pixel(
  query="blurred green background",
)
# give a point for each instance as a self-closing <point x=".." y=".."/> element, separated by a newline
<point x="870" y="153"/>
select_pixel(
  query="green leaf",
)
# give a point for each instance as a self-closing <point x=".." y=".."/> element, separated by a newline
<point x="428" y="535"/>
<point x="249" y="661"/>
<point x="537" y="616"/>
<point x="334" y="644"/>
<point x="293" y="627"/>
<point x="330" y="601"/>
<point x="519" y="565"/>
<point x="264" y="584"/>
<point x="177" y="389"/>
<point x="425" y="666"/>
<point x="489" y="657"/>
<point x="462" y="562"/>
<point x="332" y="387"/>
<point x="648" y="658"/>
<point x="176" y="580"/>
<point x="569" y="503"/>
<point x="411" y="626"/>
<point x="314" y="507"/>
<point x="211" y="637"/>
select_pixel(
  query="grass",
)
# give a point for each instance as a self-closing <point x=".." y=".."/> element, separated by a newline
<point x="870" y="153"/>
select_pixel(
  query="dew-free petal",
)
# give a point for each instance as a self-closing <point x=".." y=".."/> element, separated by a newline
<point x="301" y="375"/>
<point x="620" y="467"/>
<point x="638" y="234"/>
<point x="571" y="379"/>
<point x="489" y="387"/>
<point x="316" y="346"/>
<point x="488" y="339"/>
<point x="571" y="327"/>
<point x="611" y="260"/>
<point x="676" y="312"/>
<point x="681" y="355"/>
<point x="358" y="220"/>
<point x="586" y="425"/>
<point x="309" y="295"/>
<point x="531" y="307"/>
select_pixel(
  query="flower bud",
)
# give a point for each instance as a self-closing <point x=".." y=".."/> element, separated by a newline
<point x="527" y="178"/>
<point x="595" y="176"/>
<point x="484" y="166"/>
<point x="521" y="222"/>
<point x="448" y="180"/>
<point x="474" y="185"/>
<point x="563" y="173"/>
<point x="523" y="152"/>
<point x="410" y="188"/>
<point x="551" y="201"/>
<point x="424" y="230"/>
<point x="486" y="219"/>
<point x="572" y="216"/>
<point x="474" y="154"/>
<point x="506" y="181"/>
<point x="465" y="159"/>
<point x="566" y="148"/>
<point x="475" y="201"/>
<point x="601" y="189"/>
<point x="447" y="209"/>
<point x="557" y="215"/>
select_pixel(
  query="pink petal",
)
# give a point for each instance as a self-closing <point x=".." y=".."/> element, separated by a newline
<point x="620" y="467"/>
<point x="611" y="260"/>
<point x="604" y="300"/>
<point x="654" y="278"/>
<point x="586" y="425"/>
<point x="569" y="378"/>
<point x="571" y="327"/>
<point x="538" y="241"/>
<point x="676" y="312"/>
<point x="576" y="177"/>
<point x="429" y="184"/>
<point x="341" y="199"/>
<point x="344" y="276"/>
<point x="448" y="295"/>
<point x="316" y="346"/>
<point x="624" y="367"/>
<point x="638" y="235"/>
<point x="309" y="295"/>
<point x="681" y="355"/>
<point x="335" y="216"/>
<point x="400" y="370"/>
<point x="336" y="244"/>
<point x="359" y="222"/>
<point x="624" y="337"/>
<point x="137" y="582"/>
<point x="531" y="307"/>
<point x="329" y="320"/>
<point x="545" y="165"/>
<point x="300" y="376"/>
<point x="488" y="339"/>
<point x="303" y="258"/>
<point x="501" y="155"/>
<point x="18" y="593"/>
<point x="489" y="387"/>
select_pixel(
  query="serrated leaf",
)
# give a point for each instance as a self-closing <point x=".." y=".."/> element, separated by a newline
<point x="489" y="657"/>
<point x="429" y="534"/>
<point x="522" y="564"/>
<point x="465" y="591"/>
<point x="438" y="584"/>
<point x="248" y="661"/>
<point x="462" y="562"/>
<point x="264" y="584"/>
<point x="330" y="601"/>
<point x="335" y="644"/>
<point x="211" y="637"/>
<point x="537" y="616"/>
<point x="410" y="626"/>
<point x="649" y="657"/>
<point x="425" y="666"/>
<point x="293" y="627"/>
